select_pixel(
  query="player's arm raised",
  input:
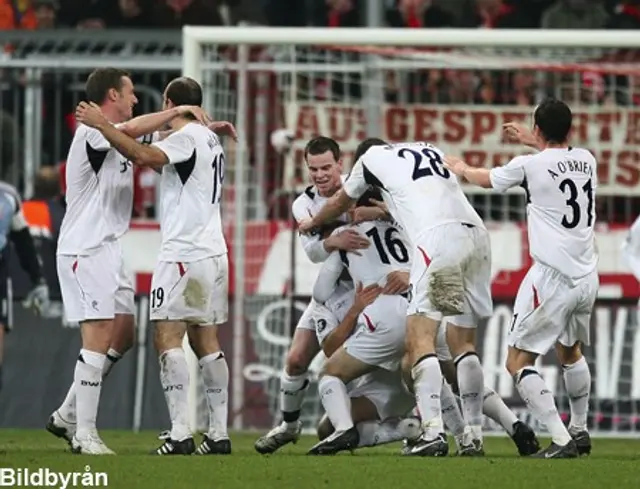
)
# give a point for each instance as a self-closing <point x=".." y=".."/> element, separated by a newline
<point x="336" y="338"/>
<point x="501" y="178"/>
<point x="340" y="202"/>
<point x="148" y="123"/>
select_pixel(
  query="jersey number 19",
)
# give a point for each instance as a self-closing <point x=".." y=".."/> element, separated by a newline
<point x="218" y="177"/>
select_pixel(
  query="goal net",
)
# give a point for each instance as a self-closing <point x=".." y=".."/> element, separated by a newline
<point x="455" y="89"/>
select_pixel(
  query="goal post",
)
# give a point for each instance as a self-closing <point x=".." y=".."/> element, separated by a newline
<point x="452" y="87"/>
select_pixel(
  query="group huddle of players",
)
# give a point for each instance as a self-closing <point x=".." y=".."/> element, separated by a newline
<point x="405" y="280"/>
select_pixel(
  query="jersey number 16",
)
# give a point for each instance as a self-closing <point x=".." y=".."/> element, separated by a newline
<point x="218" y="177"/>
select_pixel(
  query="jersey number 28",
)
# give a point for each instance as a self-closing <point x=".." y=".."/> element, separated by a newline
<point x="218" y="177"/>
<point x="426" y="163"/>
<point x="394" y="246"/>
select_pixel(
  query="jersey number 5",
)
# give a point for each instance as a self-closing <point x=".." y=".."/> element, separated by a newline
<point x="218" y="177"/>
<point x="396" y="247"/>
<point x="572" y="201"/>
<point x="422" y="168"/>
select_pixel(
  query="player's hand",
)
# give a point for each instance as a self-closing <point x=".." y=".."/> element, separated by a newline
<point x="363" y="213"/>
<point x="224" y="128"/>
<point x="397" y="283"/>
<point x="37" y="300"/>
<point x="519" y="133"/>
<point x="455" y="164"/>
<point x="306" y="226"/>
<point x="349" y="240"/>
<point x="198" y="112"/>
<point x="90" y="115"/>
<point x="365" y="296"/>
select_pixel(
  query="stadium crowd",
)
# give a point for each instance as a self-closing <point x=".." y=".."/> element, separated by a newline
<point x="422" y="86"/>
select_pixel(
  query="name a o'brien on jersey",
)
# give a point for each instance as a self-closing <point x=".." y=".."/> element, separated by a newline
<point x="572" y="166"/>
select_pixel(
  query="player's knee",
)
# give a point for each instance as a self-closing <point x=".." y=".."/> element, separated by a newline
<point x="297" y="362"/>
<point x="203" y="340"/>
<point x="325" y="428"/>
<point x="518" y="359"/>
<point x="96" y="335"/>
<point x="568" y="355"/>
<point x="167" y="338"/>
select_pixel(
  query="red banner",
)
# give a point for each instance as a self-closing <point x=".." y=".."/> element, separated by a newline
<point x="475" y="132"/>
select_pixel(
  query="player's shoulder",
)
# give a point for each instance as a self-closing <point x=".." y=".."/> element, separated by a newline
<point x="581" y="154"/>
<point x="307" y="197"/>
<point x="8" y="189"/>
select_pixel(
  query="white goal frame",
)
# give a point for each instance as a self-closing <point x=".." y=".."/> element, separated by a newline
<point x="194" y="37"/>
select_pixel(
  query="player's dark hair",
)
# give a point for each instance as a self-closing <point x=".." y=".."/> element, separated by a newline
<point x="364" y="146"/>
<point x="320" y="145"/>
<point x="553" y="117"/>
<point x="365" y="198"/>
<point x="184" y="91"/>
<point x="326" y="229"/>
<point x="102" y="80"/>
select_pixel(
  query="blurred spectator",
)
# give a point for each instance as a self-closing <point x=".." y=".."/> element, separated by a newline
<point x="133" y="15"/>
<point x="626" y="15"/>
<point x="493" y="14"/>
<point x="46" y="13"/>
<point x="418" y="13"/>
<point x="168" y="14"/>
<point x="89" y="14"/>
<point x="337" y="13"/>
<point x="17" y="15"/>
<point x="575" y="14"/>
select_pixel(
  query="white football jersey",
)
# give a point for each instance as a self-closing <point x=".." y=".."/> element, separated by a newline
<point x="561" y="185"/>
<point x="390" y="251"/>
<point x="418" y="190"/>
<point x="305" y="206"/>
<point x="329" y="315"/>
<point x="631" y="248"/>
<point x="11" y="217"/>
<point x="190" y="194"/>
<point x="99" y="193"/>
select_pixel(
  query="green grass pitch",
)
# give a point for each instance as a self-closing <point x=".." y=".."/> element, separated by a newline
<point x="614" y="464"/>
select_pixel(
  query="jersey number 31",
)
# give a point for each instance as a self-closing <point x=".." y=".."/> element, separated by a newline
<point x="426" y="163"/>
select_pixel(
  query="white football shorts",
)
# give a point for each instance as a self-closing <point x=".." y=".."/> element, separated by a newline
<point x="386" y="391"/>
<point x="378" y="339"/>
<point x="552" y="308"/>
<point x="95" y="286"/>
<point x="194" y="292"/>
<point x="451" y="275"/>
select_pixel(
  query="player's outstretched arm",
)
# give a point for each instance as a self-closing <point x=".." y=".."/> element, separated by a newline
<point x="327" y="279"/>
<point x="149" y="123"/>
<point x="338" y="204"/>
<point x="364" y="297"/>
<point x="476" y="176"/>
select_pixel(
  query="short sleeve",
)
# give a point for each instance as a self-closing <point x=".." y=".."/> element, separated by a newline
<point x="324" y="322"/>
<point x="96" y="140"/>
<point x="355" y="185"/>
<point x="510" y="175"/>
<point x="178" y="147"/>
<point x="149" y="138"/>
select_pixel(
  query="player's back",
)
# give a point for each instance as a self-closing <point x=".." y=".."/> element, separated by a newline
<point x="561" y="186"/>
<point x="99" y="193"/>
<point x="389" y="251"/>
<point x="191" y="193"/>
<point x="420" y="192"/>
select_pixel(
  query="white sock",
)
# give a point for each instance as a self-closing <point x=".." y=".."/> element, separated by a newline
<point x="336" y="402"/>
<point x="174" y="376"/>
<point x="373" y="433"/>
<point x="577" y="382"/>
<point x="88" y="380"/>
<point x="451" y="414"/>
<point x="427" y="384"/>
<point x="471" y="387"/>
<point x="494" y="408"/>
<point x="538" y="398"/>
<point x="292" y="391"/>
<point x="215" y="374"/>
<point x="67" y="409"/>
